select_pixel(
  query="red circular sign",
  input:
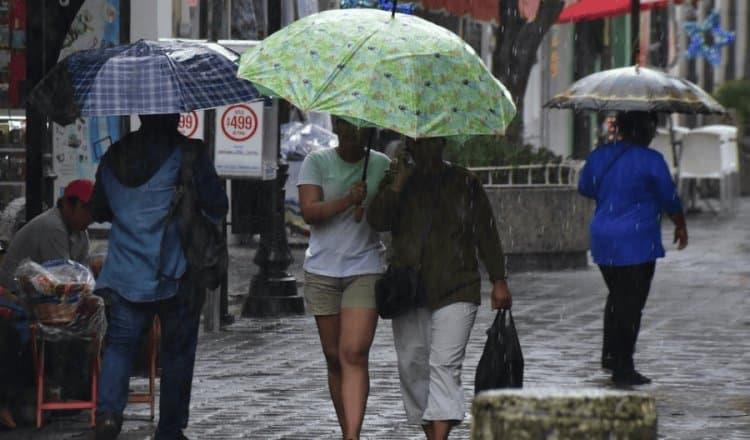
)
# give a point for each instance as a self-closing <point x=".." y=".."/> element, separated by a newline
<point x="239" y="122"/>
<point x="188" y="124"/>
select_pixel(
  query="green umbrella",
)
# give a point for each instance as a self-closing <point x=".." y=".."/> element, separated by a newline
<point x="376" y="68"/>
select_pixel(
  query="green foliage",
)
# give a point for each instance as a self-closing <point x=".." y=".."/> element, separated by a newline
<point x="484" y="151"/>
<point x="736" y="95"/>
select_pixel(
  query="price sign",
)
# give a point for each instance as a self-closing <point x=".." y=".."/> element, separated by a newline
<point x="191" y="124"/>
<point x="239" y="122"/>
<point x="239" y="140"/>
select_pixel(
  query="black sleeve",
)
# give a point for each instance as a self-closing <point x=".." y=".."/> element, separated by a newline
<point x="212" y="197"/>
<point x="100" y="209"/>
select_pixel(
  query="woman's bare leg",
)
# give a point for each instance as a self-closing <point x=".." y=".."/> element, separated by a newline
<point x="329" y="327"/>
<point x="357" y="332"/>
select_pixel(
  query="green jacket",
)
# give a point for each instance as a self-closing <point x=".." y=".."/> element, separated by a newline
<point x="463" y="227"/>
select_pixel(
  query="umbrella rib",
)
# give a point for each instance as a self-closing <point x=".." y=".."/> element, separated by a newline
<point x="345" y="60"/>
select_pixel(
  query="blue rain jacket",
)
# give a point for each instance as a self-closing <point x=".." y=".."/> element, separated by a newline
<point x="632" y="186"/>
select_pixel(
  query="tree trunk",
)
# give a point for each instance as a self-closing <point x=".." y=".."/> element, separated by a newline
<point x="515" y="53"/>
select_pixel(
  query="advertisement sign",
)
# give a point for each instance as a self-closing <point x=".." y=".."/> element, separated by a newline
<point x="238" y="151"/>
<point x="191" y="124"/>
<point x="77" y="148"/>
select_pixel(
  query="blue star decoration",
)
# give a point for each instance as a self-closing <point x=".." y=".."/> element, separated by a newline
<point x="707" y="39"/>
<point x="379" y="4"/>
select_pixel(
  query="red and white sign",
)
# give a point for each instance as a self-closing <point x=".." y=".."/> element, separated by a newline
<point x="239" y="122"/>
<point x="191" y="124"/>
<point x="239" y="140"/>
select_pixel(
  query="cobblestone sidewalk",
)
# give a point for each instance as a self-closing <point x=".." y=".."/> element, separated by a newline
<point x="265" y="379"/>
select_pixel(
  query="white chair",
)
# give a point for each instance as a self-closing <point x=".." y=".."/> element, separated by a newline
<point x="663" y="144"/>
<point x="708" y="154"/>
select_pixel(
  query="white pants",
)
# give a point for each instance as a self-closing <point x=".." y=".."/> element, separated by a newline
<point x="431" y="346"/>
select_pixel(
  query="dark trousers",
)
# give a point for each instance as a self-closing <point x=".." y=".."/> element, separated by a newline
<point x="628" y="290"/>
<point x="128" y="324"/>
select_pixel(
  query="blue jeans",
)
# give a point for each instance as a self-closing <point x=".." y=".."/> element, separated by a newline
<point x="128" y="324"/>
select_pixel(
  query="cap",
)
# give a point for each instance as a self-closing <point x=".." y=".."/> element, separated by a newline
<point x="82" y="189"/>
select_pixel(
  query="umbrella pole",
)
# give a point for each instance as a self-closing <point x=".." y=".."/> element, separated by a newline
<point x="360" y="212"/>
<point x="675" y="153"/>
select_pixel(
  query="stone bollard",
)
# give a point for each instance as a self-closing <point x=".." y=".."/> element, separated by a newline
<point x="559" y="414"/>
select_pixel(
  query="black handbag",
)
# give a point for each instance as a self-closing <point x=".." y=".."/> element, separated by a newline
<point x="501" y="364"/>
<point x="401" y="289"/>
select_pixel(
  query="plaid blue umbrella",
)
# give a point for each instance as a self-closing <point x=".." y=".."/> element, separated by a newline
<point x="145" y="77"/>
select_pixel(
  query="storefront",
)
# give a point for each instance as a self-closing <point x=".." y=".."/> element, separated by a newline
<point x="41" y="163"/>
<point x="12" y="93"/>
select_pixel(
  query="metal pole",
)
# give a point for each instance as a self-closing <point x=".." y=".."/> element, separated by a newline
<point x="273" y="291"/>
<point x="635" y="27"/>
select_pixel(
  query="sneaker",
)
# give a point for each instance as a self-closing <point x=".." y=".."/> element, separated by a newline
<point x="630" y="378"/>
<point x="107" y="427"/>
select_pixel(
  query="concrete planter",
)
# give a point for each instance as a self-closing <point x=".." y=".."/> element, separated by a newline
<point x="542" y="228"/>
<point x="542" y="414"/>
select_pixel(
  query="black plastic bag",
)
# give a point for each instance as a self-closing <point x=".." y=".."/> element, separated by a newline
<point x="501" y="365"/>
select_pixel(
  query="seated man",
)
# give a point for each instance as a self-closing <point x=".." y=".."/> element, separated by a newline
<point x="58" y="233"/>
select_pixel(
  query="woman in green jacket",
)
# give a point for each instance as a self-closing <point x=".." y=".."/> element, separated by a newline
<point x="449" y="204"/>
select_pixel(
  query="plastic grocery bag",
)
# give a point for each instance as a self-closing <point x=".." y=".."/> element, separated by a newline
<point x="59" y="293"/>
<point x="501" y="364"/>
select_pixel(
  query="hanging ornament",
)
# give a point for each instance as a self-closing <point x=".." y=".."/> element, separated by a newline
<point x="707" y="39"/>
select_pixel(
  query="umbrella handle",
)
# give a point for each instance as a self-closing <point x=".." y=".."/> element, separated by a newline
<point x="359" y="212"/>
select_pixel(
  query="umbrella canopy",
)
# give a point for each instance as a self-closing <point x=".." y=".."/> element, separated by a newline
<point x="145" y="77"/>
<point x="397" y="72"/>
<point x="636" y="89"/>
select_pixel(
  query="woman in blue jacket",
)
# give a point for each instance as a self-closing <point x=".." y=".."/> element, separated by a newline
<point x="632" y="186"/>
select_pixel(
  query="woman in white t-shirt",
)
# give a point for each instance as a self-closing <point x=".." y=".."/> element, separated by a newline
<point x="344" y="259"/>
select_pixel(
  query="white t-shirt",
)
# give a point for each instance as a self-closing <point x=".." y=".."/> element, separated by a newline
<point x="341" y="247"/>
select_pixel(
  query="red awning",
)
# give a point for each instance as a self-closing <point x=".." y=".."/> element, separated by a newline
<point x="593" y="9"/>
<point x="489" y="10"/>
<point x="480" y="10"/>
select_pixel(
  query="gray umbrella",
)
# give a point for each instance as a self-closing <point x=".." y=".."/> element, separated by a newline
<point x="636" y="89"/>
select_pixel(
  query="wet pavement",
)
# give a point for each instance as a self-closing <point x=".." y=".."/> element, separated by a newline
<point x="265" y="378"/>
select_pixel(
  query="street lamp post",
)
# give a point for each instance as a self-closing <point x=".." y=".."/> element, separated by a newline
<point x="273" y="290"/>
<point x="635" y="29"/>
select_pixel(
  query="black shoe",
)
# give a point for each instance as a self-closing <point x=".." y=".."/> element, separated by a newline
<point x="629" y="378"/>
<point x="108" y="426"/>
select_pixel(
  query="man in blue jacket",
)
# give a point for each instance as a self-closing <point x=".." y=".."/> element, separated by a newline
<point x="145" y="273"/>
<point x="632" y="186"/>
